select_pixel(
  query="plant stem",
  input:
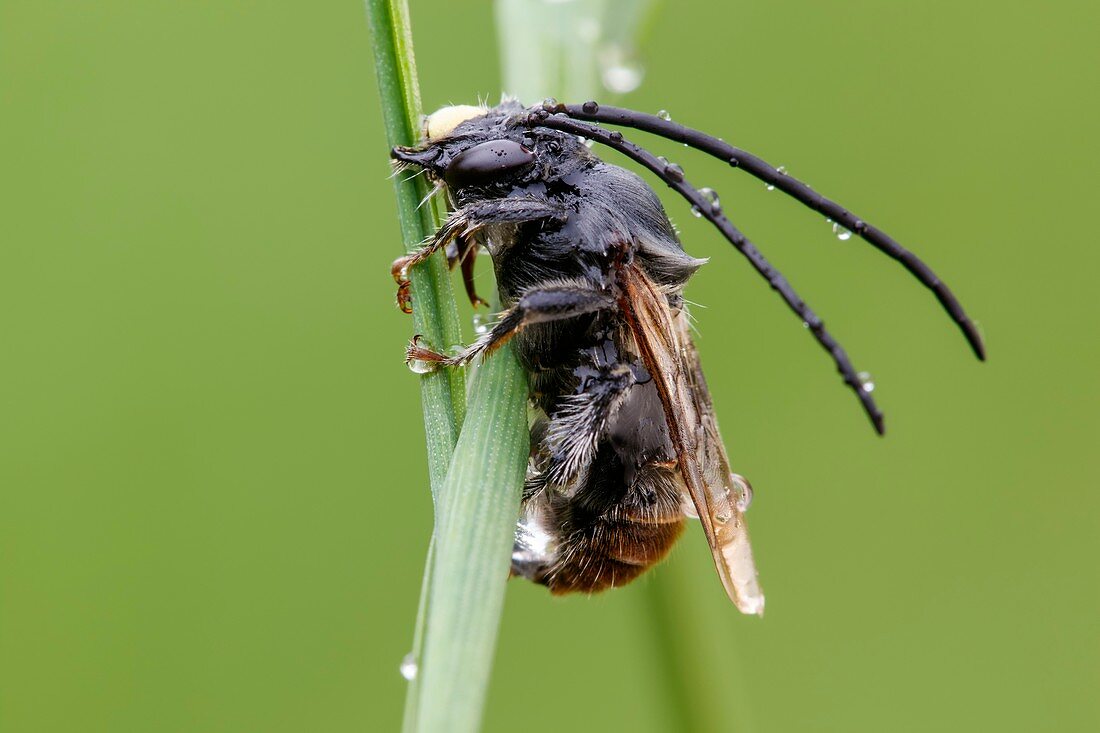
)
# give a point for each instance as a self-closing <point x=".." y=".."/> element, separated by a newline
<point x="435" y="314"/>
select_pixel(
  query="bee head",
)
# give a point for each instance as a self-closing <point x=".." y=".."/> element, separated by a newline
<point x="469" y="147"/>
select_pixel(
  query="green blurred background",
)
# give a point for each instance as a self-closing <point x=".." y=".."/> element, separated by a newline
<point x="213" y="500"/>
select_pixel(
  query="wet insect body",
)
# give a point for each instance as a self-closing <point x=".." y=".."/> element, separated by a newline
<point x="591" y="276"/>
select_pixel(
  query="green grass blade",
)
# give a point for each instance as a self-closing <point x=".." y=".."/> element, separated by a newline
<point x="473" y="544"/>
<point x="435" y="315"/>
<point x="434" y="312"/>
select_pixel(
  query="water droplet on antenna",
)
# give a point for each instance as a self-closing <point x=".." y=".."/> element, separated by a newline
<point x="865" y="382"/>
<point x="664" y="115"/>
<point x="711" y="197"/>
<point x="781" y="170"/>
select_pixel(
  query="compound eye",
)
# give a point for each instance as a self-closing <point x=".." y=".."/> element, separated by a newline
<point x="488" y="161"/>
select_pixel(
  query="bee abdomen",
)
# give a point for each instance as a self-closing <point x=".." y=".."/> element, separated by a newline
<point x="608" y="553"/>
<point x="611" y="530"/>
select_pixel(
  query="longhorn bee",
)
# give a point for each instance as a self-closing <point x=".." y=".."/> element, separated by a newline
<point x="591" y="276"/>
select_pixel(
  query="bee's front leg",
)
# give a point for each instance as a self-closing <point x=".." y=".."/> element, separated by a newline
<point x="464" y="223"/>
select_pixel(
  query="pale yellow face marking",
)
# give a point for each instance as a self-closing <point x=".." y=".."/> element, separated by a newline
<point x="442" y="122"/>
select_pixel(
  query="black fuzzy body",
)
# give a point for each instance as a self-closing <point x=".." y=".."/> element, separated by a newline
<point x="603" y="498"/>
<point x="620" y="511"/>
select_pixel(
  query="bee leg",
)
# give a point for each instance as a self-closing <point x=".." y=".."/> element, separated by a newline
<point x="463" y="251"/>
<point x="570" y="438"/>
<point x="468" y="259"/>
<point x="465" y="222"/>
<point x="540" y="305"/>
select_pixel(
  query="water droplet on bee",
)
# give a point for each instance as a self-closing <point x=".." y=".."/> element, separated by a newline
<point x="781" y="170"/>
<point x="409" y="667"/>
<point x="550" y="103"/>
<point x="662" y="160"/>
<point x="711" y="197"/>
<point x="696" y="212"/>
<point x="481" y="323"/>
<point x="420" y="366"/>
<point x="722" y="517"/>
<point x="674" y="172"/>
<point x="664" y="115"/>
<point x="590" y="107"/>
<point x="616" y="136"/>
<point x="404" y="273"/>
<point x="841" y="233"/>
<point x="744" y="492"/>
<point x="865" y="382"/>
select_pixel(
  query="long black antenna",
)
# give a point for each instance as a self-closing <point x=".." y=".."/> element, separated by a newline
<point x="673" y="175"/>
<point x="791" y="186"/>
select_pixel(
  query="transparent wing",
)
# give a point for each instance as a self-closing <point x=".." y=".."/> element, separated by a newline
<point x="719" y="496"/>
